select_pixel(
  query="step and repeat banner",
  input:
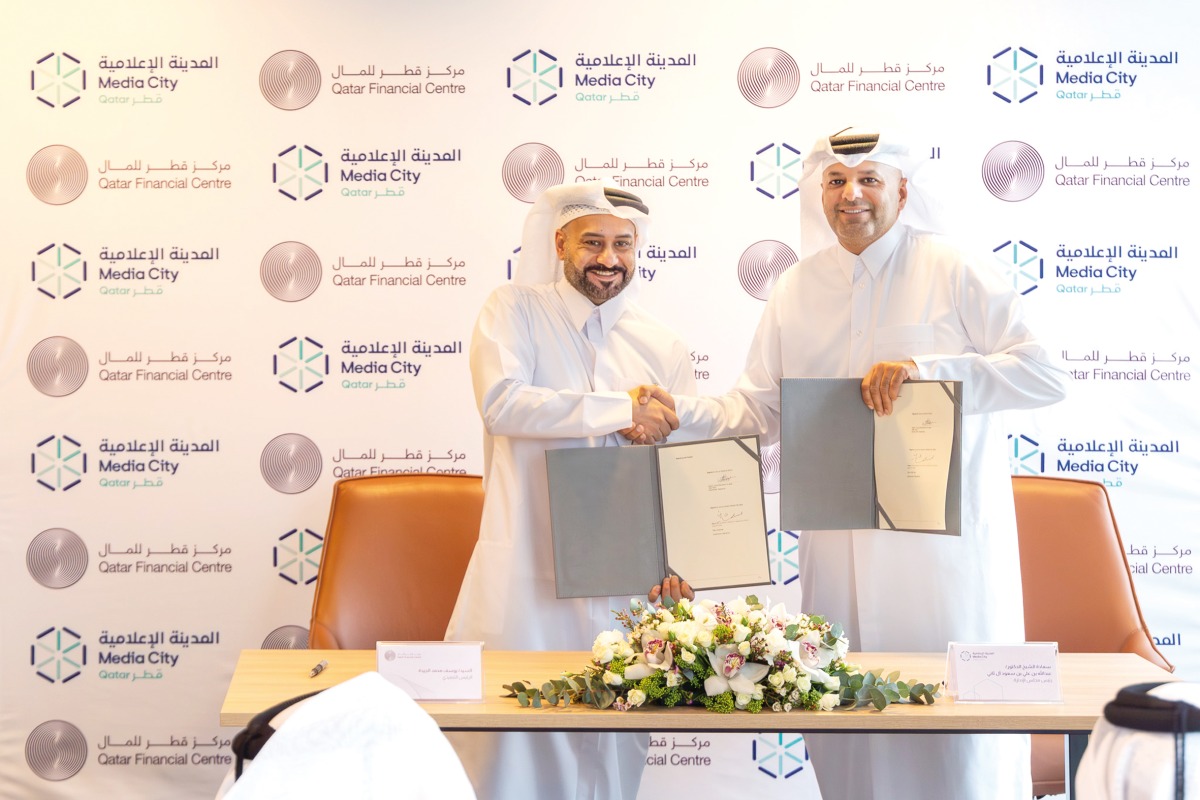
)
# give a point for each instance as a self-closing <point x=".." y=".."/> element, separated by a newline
<point x="244" y="246"/>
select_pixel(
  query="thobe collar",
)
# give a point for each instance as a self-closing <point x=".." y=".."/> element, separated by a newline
<point x="874" y="258"/>
<point x="579" y="308"/>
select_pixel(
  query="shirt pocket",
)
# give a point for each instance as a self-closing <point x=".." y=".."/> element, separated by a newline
<point x="902" y="342"/>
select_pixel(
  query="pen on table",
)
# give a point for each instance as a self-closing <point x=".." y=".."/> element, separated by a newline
<point x="317" y="669"/>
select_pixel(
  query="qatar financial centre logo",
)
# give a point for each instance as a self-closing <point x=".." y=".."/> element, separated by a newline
<point x="1022" y="263"/>
<point x="58" y="80"/>
<point x="300" y="172"/>
<point x="301" y="364"/>
<point x="58" y="655"/>
<point x="1014" y="75"/>
<point x="534" y="77"/>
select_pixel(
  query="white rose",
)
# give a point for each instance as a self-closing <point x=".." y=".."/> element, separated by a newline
<point x="612" y="678"/>
<point x="741" y="700"/>
<point x="744" y="648"/>
<point x="741" y="633"/>
<point x="775" y="679"/>
<point x="635" y="697"/>
<point x="674" y="678"/>
<point x="704" y="639"/>
<point x="829" y="702"/>
<point x="803" y="683"/>
<point x="687" y="657"/>
<point x="789" y="673"/>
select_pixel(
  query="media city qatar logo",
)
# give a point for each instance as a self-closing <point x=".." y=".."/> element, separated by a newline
<point x="768" y="77"/>
<point x="290" y="271"/>
<point x="58" y="80"/>
<point x="1025" y="456"/>
<point x="779" y="755"/>
<point x="534" y="78"/>
<point x="55" y="750"/>
<point x="56" y="174"/>
<point x="775" y="170"/>
<point x="1014" y="75"/>
<point x="59" y="271"/>
<point x="761" y="265"/>
<point x="1022" y="263"/>
<point x="301" y="364"/>
<point x="58" y="463"/>
<point x="300" y="172"/>
<point x="58" y="655"/>
<point x="1013" y="171"/>
<point x="286" y="637"/>
<point x="57" y="366"/>
<point x="530" y="169"/>
<point x="298" y="555"/>
<point x="290" y="463"/>
<point x="289" y="80"/>
<point x="783" y="547"/>
<point x="56" y="558"/>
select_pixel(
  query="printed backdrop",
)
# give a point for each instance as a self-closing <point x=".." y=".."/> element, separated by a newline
<point x="244" y="246"/>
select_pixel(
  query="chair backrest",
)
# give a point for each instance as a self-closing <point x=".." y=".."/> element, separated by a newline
<point x="395" y="552"/>
<point x="1077" y="586"/>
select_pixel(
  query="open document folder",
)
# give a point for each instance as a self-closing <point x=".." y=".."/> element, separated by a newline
<point x="624" y="517"/>
<point x="842" y="467"/>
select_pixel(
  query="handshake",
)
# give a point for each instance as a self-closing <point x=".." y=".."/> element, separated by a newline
<point x="653" y="415"/>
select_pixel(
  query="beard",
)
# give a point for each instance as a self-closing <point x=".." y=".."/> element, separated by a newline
<point x="597" y="293"/>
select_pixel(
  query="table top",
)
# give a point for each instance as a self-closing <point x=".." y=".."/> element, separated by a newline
<point x="263" y="678"/>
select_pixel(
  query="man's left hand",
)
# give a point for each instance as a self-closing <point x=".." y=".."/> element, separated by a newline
<point x="881" y="386"/>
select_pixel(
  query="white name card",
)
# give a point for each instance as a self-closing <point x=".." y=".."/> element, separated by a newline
<point x="433" y="670"/>
<point x="1003" y="673"/>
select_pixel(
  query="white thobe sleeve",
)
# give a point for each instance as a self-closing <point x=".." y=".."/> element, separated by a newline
<point x="1009" y="368"/>
<point x="503" y="352"/>
<point x="752" y="406"/>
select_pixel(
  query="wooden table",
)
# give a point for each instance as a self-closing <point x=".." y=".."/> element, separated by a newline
<point x="263" y="678"/>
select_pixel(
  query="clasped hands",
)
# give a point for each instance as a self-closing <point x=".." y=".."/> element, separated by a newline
<point x="653" y="415"/>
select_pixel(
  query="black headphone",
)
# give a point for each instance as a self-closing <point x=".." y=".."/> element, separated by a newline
<point x="1139" y="710"/>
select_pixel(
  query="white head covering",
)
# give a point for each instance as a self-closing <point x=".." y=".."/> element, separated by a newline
<point x="557" y="206"/>
<point x="852" y="147"/>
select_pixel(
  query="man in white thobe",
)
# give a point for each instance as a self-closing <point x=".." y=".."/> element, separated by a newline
<point x="557" y="359"/>
<point x="892" y="302"/>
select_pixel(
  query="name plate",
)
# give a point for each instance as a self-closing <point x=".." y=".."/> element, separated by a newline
<point x="1003" y="673"/>
<point x="433" y="670"/>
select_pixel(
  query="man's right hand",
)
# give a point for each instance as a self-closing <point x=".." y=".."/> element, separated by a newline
<point x="653" y="415"/>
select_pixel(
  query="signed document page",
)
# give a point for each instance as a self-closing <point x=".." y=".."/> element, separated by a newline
<point x="714" y="524"/>
<point x="913" y="450"/>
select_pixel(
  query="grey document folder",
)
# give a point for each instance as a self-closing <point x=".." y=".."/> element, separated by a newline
<point x="614" y="518"/>
<point x="827" y="458"/>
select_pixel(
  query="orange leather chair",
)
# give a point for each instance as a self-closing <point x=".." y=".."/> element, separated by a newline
<point x="395" y="552"/>
<point x="1077" y="587"/>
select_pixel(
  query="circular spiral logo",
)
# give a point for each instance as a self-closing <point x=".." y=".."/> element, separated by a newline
<point x="289" y="80"/>
<point x="531" y="169"/>
<point x="56" y="174"/>
<point x="288" y="637"/>
<point x="290" y="463"/>
<point x="56" y="366"/>
<point x="290" y="271"/>
<point x="761" y="265"/>
<point x="770" y="468"/>
<point x="1013" y="171"/>
<point x="768" y="77"/>
<point x="56" y="558"/>
<point x="55" y="750"/>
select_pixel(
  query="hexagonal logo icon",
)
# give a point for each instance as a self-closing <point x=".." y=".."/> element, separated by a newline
<point x="58" y="463"/>
<point x="59" y="271"/>
<point x="300" y="172"/>
<point x="1022" y="263"/>
<point x="58" y="655"/>
<point x="301" y="364"/>
<point x="783" y="547"/>
<point x="1025" y="456"/>
<point x="58" y="80"/>
<point x="534" y="78"/>
<point x="775" y="170"/>
<point x="298" y="555"/>
<point x="779" y="755"/>
<point x="1014" y="75"/>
